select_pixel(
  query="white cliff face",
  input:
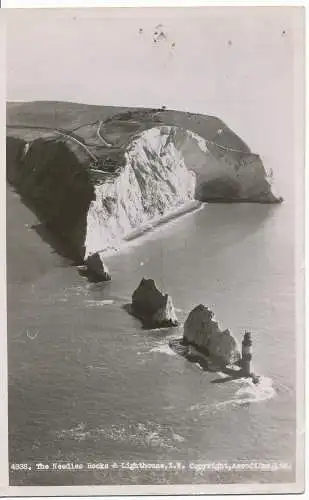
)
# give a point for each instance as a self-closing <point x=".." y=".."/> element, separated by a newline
<point x="244" y="173"/>
<point x="167" y="167"/>
<point x="154" y="181"/>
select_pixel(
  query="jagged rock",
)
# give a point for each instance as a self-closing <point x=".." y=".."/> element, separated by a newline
<point x="96" y="268"/>
<point x="153" y="307"/>
<point x="203" y="332"/>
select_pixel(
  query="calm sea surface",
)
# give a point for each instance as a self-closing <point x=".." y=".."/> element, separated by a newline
<point x="88" y="385"/>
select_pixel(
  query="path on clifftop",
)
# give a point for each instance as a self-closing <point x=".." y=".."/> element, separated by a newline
<point x="64" y="133"/>
<point x="107" y="144"/>
<point x="94" y="157"/>
<point x="226" y="148"/>
<point x="208" y="141"/>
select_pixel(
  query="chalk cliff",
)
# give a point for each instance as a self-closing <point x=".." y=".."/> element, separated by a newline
<point x="154" y="180"/>
<point x="95" y="185"/>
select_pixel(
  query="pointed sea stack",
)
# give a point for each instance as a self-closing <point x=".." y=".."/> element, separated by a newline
<point x="96" y="268"/>
<point x="154" y="308"/>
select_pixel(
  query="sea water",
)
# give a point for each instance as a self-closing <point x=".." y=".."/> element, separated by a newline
<point x="87" y="384"/>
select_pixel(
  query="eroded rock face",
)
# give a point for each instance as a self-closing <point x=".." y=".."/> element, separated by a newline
<point x="91" y="199"/>
<point x="97" y="270"/>
<point x="204" y="333"/>
<point x="154" y="308"/>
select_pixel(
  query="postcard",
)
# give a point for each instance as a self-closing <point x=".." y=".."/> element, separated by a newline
<point x="154" y="209"/>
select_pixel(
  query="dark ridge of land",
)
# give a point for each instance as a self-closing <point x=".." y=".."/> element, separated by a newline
<point x="119" y="124"/>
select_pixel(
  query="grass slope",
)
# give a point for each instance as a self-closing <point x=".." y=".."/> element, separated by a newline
<point x="119" y="124"/>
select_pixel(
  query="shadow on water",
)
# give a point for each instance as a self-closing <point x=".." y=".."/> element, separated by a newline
<point x="232" y="374"/>
<point x="223" y="380"/>
<point x="57" y="246"/>
<point x="47" y="235"/>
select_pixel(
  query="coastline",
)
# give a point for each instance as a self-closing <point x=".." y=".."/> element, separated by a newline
<point x="138" y="236"/>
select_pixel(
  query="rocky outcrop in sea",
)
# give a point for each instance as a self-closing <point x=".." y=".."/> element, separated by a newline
<point x="96" y="269"/>
<point x="203" y="332"/>
<point x="204" y="342"/>
<point x="154" y="308"/>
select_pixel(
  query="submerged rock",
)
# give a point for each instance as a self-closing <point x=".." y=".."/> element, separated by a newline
<point x="201" y="331"/>
<point x="97" y="270"/>
<point x="154" y="308"/>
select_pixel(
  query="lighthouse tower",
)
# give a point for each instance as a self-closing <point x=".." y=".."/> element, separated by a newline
<point x="246" y="354"/>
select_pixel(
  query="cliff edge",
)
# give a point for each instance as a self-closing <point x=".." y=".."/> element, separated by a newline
<point x="95" y="175"/>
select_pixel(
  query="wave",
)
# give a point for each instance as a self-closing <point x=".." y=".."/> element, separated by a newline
<point x="163" y="349"/>
<point x="145" y="233"/>
<point x="168" y="217"/>
<point x="99" y="303"/>
<point x="146" y="434"/>
<point x="256" y="393"/>
<point x="246" y="394"/>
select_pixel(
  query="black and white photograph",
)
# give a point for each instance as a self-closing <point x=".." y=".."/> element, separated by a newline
<point x="154" y="239"/>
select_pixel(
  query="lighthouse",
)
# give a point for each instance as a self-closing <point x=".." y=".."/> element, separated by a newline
<point x="246" y="354"/>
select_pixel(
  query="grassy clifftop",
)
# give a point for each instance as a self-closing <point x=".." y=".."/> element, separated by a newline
<point x="118" y="124"/>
